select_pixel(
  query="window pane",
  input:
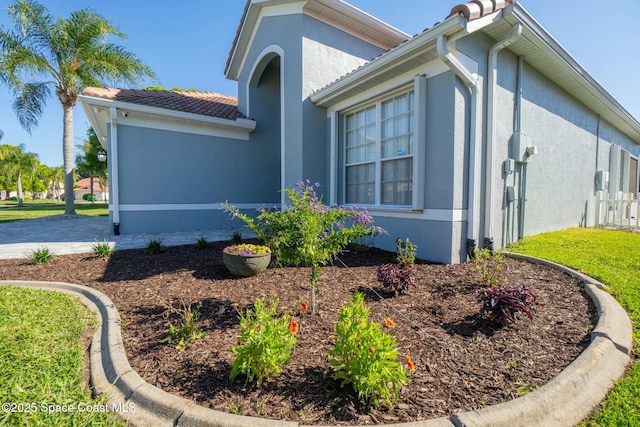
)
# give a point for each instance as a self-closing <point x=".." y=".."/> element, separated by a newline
<point x="361" y="184"/>
<point x="397" y="182"/>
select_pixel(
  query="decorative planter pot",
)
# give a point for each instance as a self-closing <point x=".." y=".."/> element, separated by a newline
<point x="246" y="265"/>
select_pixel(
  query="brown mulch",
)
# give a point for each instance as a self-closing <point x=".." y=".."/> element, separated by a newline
<point x="463" y="361"/>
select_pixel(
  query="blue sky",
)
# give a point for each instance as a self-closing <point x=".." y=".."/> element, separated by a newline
<point x="187" y="43"/>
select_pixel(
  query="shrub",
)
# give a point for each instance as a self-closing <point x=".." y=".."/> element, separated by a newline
<point x="186" y="330"/>
<point x="394" y="278"/>
<point x="365" y="357"/>
<point x="155" y="247"/>
<point x="236" y="237"/>
<point x="489" y="265"/>
<point x="40" y="256"/>
<point x="265" y="342"/>
<point x="505" y="302"/>
<point x="102" y="249"/>
<point x="89" y="197"/>
<point x="307" y="232"/>
<point x="202" y="243"/>
<point x="406" y="253"/>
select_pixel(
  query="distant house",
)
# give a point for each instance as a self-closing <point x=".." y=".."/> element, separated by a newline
<point x="478" y="131"/>
<point x="82" y="187"/>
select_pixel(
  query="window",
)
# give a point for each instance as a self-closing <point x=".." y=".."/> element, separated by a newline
<point x="633" y="176"/>
<point x="379" y="148"/>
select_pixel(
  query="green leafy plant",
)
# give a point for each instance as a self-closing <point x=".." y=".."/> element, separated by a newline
<point x="504" y="303"/>
<point x="236" y="237"/>
<point x="102" y="249"/>
<point x="306" y="232"/>
<point x="186" y="329"/>
<point x="202" y="243"/>
<point x="40" y="256"/>
<point x="489" y="265"/>
<point x="365" y="357"/>
<point x="406" y="253"/>
<point x="155" y="247"/>
<point x="265" y="342"/>
<point x="394" y="278"/>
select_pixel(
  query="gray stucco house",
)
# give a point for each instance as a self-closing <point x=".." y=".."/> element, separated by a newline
<point x="474" y="133"/>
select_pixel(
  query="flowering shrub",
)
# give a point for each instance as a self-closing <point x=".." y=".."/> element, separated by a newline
<point x="505" y="302"/>
<point x="265" y="342"/>
<point x="308" y="232"/>
<point x="365" y="356"/>
<point x="246" y="249"/>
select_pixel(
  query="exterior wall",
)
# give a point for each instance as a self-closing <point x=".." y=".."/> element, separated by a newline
<point x="173" y="181"/>
<point x="314" y="54"/>
<point x="557" y="189"/>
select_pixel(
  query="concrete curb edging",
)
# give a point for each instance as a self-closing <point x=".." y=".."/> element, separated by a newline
<point x="565" y="400"/>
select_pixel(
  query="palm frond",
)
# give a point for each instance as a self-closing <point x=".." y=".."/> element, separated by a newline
<point x="29" y="103"/>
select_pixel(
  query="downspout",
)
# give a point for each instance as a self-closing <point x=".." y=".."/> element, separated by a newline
<point x="492" y="74"/>
<point x="470" y="81"/>
<point x="115" y="197"/>
<point x="523" y="167"/>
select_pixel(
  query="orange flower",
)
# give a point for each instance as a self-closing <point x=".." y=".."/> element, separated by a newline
<point x="293" y="327"/>
<point x="75" y="64"/>
<point x="390" y="323"/>
<point x="304" y="307"/>
<point x="372" y="349"/>
<point x="412" y="367"/>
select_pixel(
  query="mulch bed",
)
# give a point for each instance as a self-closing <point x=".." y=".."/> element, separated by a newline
<point x="463" y="360"/>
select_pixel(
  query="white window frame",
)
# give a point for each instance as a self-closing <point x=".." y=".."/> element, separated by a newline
<point x="418" y="88"/>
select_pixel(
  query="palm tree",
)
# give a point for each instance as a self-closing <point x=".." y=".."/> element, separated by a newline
<point x="45" y="53"/>
<point x="19" y="164"/>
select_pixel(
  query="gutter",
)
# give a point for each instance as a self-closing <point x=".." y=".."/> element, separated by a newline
<point x="471" y="81"/>
<point x="113" y="173"/>
<point x="492" y="74"/>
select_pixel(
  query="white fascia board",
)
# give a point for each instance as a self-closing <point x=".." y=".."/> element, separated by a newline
<point x="255" y="14"/>
<point x="98" y="125"/>
<point x="363" y="18"/>
<point x="387" y="60"/>
<point x="240" y="124"/>
<point x="548" y="44"/>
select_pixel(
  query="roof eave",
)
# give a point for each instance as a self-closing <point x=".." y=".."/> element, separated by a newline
<point x="329" y="94"/>
<point x="252" y="13"/>
<point x="593" y="94"/>
<point x="93" y="107"/>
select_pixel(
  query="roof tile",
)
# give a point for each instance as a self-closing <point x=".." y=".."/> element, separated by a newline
<point x="203" y="103"/>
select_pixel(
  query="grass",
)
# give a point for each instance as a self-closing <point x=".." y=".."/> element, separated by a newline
<point x="41" y="361"/>
<point x="610" y="256"/>
<point x="10" y="211"/>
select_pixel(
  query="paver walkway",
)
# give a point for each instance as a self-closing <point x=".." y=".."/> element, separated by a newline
<point x="77" y="234"/>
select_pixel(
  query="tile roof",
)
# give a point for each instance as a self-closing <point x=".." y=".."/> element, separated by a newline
<point x="85" y="184"/>
<point x="478" y="8"/>
<point x="203" y="103"/>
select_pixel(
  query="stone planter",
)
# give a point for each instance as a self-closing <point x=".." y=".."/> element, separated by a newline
<point x="246" y="265"/>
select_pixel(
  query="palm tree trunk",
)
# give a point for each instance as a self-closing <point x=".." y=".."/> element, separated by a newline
<point x="19" y="185"/>
<point x="67" y="157"/>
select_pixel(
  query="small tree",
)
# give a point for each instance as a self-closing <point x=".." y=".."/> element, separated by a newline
<point x="18" y="164"/>
<point x="307" y="232"/>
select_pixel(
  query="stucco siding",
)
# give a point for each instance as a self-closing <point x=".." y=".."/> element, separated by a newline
<point x="203" y="169"/>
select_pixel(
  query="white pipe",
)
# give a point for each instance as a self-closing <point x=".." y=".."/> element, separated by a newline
<point x="113" y="173"/>
<point x="471" y="81"/>
<point x="492" y="73"/>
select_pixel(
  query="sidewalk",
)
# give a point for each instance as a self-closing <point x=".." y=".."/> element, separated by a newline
<point x="77" y="234"/>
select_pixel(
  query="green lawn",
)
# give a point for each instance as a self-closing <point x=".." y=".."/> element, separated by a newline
<point x="10" y="211"/>
<point x="41" y="361"/>
<point x="612" y="257"/>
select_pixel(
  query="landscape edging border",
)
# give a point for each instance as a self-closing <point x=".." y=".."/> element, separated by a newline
<point x="565" y="400"/>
